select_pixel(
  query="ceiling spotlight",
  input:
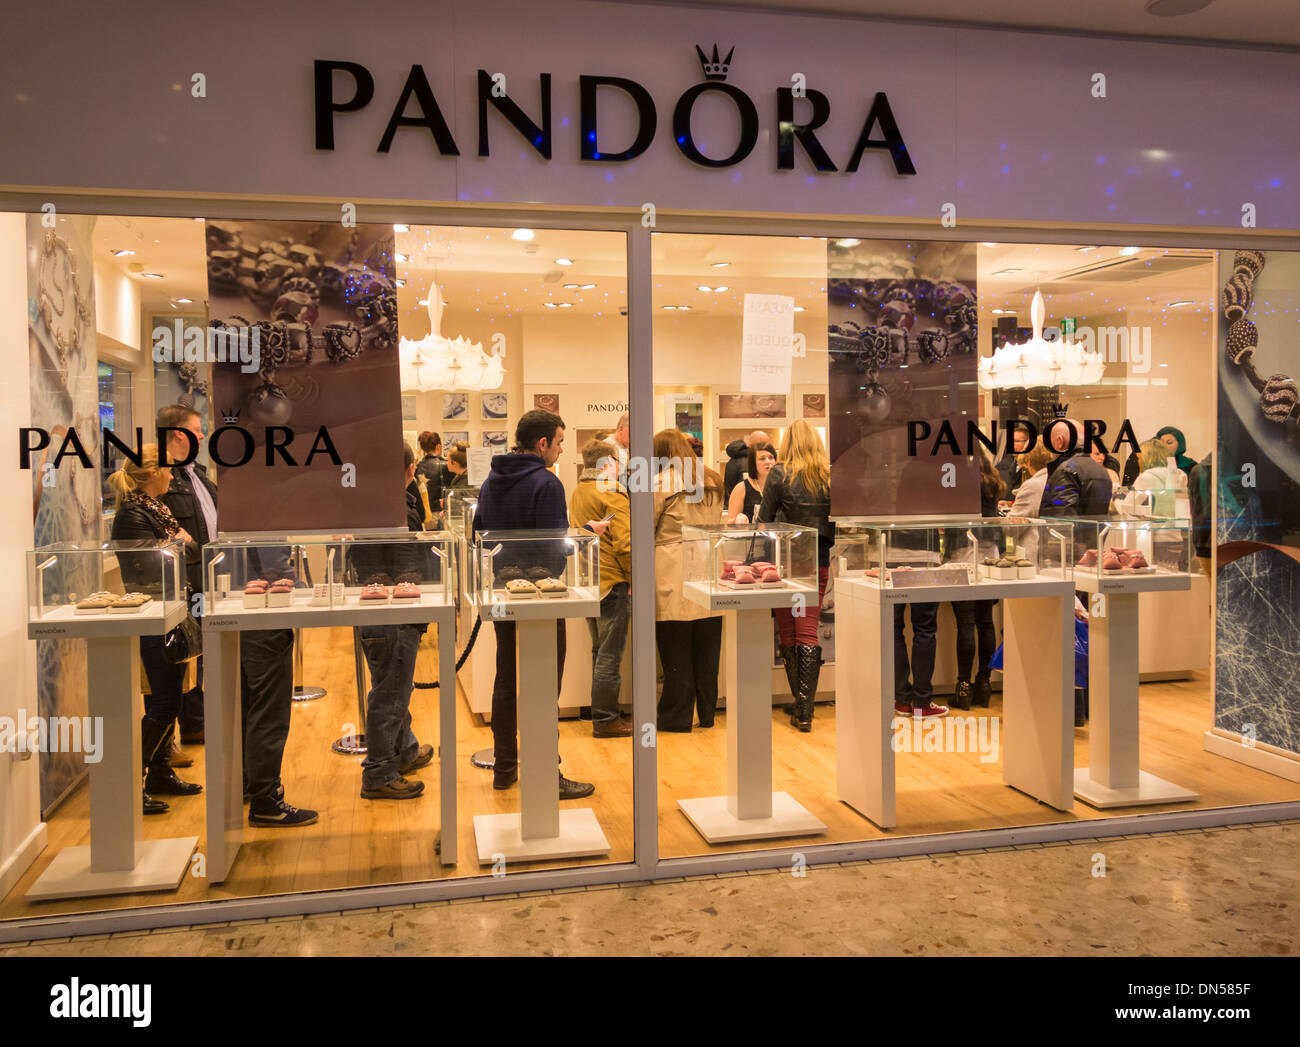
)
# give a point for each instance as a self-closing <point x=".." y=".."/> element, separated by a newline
<point x="1127" y="251"/>
<point x="798" y="308"/>
<point x="720" y="287"/>
<point x="400" y="257"/>
<point x="401" y="283"/>
<point x="848" y="241"/>
<point x="549" y="305"/>
<point x="683" y="308"/>
<point x="401" y="228"/>
<point x="571" y="287"/>
<point x="670" y="307"/>
<point x="423" y="301"/>
<point x="566" y="305"/>
<point x="588" y="287"/>
<point x="124" y="251"/>
<point x="523" y="235"/>
<point x="564" y="261"/>
<point x="152" y="276"/>
<point x="988" y="245"/>
<point x="1181" y="301"/>
<point x="704" y="287"/>
<point x="185" y="301"/>
<point x="719" y="265"/>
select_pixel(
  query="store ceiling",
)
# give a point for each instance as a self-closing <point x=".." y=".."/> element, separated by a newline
<point x="1270" y="22"/>
<point x="489" y="272"/>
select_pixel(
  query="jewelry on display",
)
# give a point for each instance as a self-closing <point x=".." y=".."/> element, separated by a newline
<point x="58" y="276"/>
<point x="1279" y="399"/>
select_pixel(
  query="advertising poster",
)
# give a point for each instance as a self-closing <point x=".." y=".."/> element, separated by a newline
<point x="1257" y="642"/>
<point x="63" y="362"/>
<point x="902" y="346"/>
<point x="306" y="316"/>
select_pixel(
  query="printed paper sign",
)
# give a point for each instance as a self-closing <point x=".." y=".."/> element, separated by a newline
<point x="478" y="462"/>
<point x="767" y="344"/>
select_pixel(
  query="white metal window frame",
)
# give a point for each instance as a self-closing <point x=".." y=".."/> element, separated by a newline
<point x="646" y="864"/>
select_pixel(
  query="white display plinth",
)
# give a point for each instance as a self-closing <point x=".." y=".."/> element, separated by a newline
<point x="750" y="810"/>
<point x="1037" y="692"/>
<point x="1114" y="778"/>
<point x="222" y="702"/>
<point x="539" y="830"/>
<point x="117" y="860"/>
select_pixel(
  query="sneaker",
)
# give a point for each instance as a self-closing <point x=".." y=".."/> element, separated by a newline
<point x="398" y="789"/>
<point x="278" y="813"/>
<point x="422" y="758"/>
<point x="925" y="712"/>
<point x="902" y="708"/>
<point x="571" y="790"/>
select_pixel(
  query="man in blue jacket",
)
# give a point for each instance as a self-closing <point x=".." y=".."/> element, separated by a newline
<point x="522" y="494"/>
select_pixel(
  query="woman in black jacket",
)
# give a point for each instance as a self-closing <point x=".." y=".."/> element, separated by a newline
<point x="142" y="517"/>
<point x="798" y="491"/>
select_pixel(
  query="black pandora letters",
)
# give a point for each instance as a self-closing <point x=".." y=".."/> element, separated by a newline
<point x="348" y="87"/>
<point x="277" y="439"/>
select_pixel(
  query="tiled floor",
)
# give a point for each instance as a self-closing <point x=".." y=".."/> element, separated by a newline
<point x="1214" y="892"/>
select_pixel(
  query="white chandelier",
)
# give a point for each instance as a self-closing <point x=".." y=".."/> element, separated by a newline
<point x="435" y="362"/>
<point x="1039" y="361"/>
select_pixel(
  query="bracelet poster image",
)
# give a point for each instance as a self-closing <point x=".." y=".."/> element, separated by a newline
<point x="321" y="299"/>
<point x="902" y="348"/>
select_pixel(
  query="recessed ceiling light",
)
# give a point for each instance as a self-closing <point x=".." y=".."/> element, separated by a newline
<point x="124" y="251"/>
<point x="848" y="241"/>
<point x="423" y="301"/>
<point x="588" y="287"/>
<point x="1181" y="301"/>
<point x="571" y="287"/>
<point x="670" y="307"/>
<point x="798" y="308"/>
<point x="1085" y="249"/>
<point x="719" y="265"/>
<point x="401" y="228"/>
<point x="152" y="276"/>
<point x="1013" y="269"/>
<point x="549" y="305"/>
<point x="683" y="308"/>
<point x="400" y="257"/>
<point x="522" y="234"/>
<point x="999" y="311"/>
<point x="721" y="287"/>
<point x="988" y="245"/>
<point x="566" y="305"/>
<point x="185" y="301"/>
<point x="401" y="283"/>
<point x="1126" y="251"/>
<point x="564" y="261"/>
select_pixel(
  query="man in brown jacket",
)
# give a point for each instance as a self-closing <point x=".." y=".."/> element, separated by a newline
<point x="599" y="495"/>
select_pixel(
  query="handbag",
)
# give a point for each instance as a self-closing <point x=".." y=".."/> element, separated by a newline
<point x="186" y="640"/>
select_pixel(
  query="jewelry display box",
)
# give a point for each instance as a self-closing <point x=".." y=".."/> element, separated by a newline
<point x="1120" y="546"/>
<point x="955" y="551"/>
<point x="740" y="559"/>
<point x="461" y="505"/>
<point x="98" y="582"/>
<point x="556" y="565"/>
<point x="271" y="573"/>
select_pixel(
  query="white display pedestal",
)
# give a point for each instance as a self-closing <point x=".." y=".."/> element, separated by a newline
<point x="750" y="810"/>
<point x="222" y="703"/>
<point x="1037" y="689"/>
<point x="540" y="830"/>
<point x="1114" y="778"/>
<point x="117" y="861"/>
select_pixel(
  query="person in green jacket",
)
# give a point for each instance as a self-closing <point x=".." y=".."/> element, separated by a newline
<point x="597" y="496"/>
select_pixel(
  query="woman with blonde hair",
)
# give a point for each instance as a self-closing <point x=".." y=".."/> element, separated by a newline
<point x="686" y="492"/>
<point x="1158" y="473"/>
<point x="141" y="516"/>
<point x="798" y="491"/>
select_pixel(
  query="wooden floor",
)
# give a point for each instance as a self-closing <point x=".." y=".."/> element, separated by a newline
<point x="364" y="842"/>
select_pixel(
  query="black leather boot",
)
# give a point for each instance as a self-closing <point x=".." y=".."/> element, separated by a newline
<point x="981" y="691"/>
<point x="1080" y="707"/>
<point x="791" y="675"/>
<point x="151" y="736"/>
<point x="808" y="663"/>
<point x="961" y="697"/>
<point x="160" y="777"/>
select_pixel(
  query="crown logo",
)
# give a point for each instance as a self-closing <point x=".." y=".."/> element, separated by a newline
<point x="714" y="68"/>
<point x="230" y="415"/>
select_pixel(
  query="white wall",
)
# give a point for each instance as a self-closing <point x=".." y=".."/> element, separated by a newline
<point x="117" y="306"/>
<point x="22" y="833"/>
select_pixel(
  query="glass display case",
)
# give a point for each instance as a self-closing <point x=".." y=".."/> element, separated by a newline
<point x="955" y="551"/>
<point x="555" y="564"/>
<point x="276" y="572"/>
<point x="1171" y="503"/>
<point x="744" y="558"/>
<point x="1126" y="546"/>
<point x="105" y="581"/>
<point x="461" y="504"/>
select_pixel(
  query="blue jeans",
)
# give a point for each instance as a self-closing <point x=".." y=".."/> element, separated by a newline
<point x="390" y="742"/>
<point x="608" y="639"/>
<point x="925" y="622"/>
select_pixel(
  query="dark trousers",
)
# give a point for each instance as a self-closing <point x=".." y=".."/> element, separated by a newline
<point x="925" y="619"/>
<point x="163" y="703"/>
<point x="689" y="652"/>
<point x="505" y="694"/>
<point x="608" y="640"/>
<point x="266" y="682"/>
<point x="390" y="656"/>
<point x="191" y="714"/>
<point x="974" y="618"/>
